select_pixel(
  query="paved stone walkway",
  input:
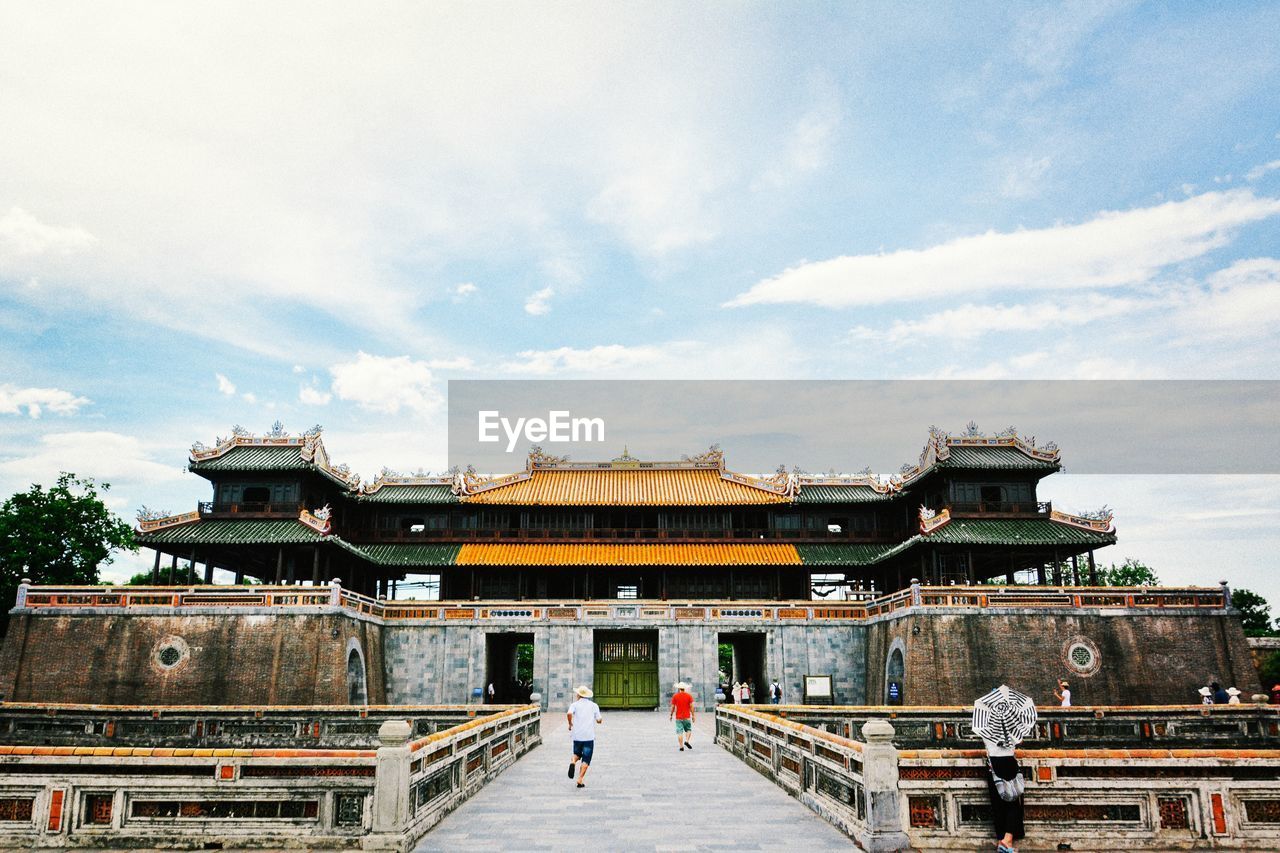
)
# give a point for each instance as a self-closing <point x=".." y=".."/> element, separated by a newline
<point x="642" y="794"/>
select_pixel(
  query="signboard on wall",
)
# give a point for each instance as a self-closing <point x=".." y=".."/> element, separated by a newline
<point x="817" y="690"/>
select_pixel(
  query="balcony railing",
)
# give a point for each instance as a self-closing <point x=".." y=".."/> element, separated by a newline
<point x="290" y="509"/>
<point x="1001" y="507"/>
<point x="615" y="534"/>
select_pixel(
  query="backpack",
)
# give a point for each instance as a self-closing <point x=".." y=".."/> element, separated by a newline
<point x="1010" y="790"/>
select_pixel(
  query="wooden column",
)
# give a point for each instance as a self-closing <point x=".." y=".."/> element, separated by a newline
<point x="191" y="569"/>
<point x="1057" y="568"/>
<point x="1041" y="576"/>
<point x="1093" y="571"/>
<point x="239" y="577"/>
<point x="279" y="566"/>
<point x="173" y="571"/>
<point x="1009" y="575"/>
<point x="1075" y="569"/>
<point x="155" y="570"/>
<point x="315" y="566"/>
<point x="208" y="572"/>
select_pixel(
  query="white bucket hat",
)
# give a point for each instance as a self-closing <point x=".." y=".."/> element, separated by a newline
<point x="584" y="691"/>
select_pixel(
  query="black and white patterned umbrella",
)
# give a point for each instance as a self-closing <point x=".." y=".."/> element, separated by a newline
<point x="1004" y="716"/>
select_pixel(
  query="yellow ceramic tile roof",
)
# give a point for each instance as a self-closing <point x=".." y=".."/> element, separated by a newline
<point x="730" y="554"/>
<point x="630" y="487"/>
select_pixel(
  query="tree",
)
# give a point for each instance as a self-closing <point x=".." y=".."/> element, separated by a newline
<point x="57" y="536"/>
<point x="1255" y="613"/>
<point x="1129" y="573"/>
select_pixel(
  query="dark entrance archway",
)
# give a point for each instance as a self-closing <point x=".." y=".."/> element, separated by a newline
<point x="749" y="663"/>
<point x="357" y="687"/>
<point x="508" y="667"/>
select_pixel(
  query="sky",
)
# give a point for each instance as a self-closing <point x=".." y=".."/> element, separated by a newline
<point x="314" y="214"/>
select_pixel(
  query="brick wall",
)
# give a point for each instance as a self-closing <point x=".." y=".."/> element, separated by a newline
<point x="111" y="658"/>
<point x="1141" y="658"/>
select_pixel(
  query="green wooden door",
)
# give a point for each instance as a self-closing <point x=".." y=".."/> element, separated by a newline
<point x="626" y="669"/>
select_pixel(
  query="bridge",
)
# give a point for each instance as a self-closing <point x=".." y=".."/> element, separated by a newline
<point x="642" y="794"/>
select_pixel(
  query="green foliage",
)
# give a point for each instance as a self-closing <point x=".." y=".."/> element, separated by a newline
<point x="524" y="663"/>
<point x="1255" y="613"/>
<point x="1129" y="573"/>
<point x="724" y="654"/>
<point x="1269" y="671"/>
<point x="57" y="536"/>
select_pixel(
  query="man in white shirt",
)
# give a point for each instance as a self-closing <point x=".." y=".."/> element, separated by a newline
<point x="1063" y="694"/>
<point x="583" y="716"/>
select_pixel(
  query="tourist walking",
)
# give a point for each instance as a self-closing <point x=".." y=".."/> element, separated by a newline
<point x="1003" y="718"/>
<point x="1063" y="694"/>
<point x="682" y="712"/>
<point x="583" y="716"/>
<point x="737" y="693"/>
<point x="775" y="692"/>
<point x="750" y="690"/>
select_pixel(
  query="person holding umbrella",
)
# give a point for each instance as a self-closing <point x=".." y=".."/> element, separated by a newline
<point x="1003" y="719"/>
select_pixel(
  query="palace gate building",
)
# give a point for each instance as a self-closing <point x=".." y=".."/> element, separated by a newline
<point x="629" y="575"/>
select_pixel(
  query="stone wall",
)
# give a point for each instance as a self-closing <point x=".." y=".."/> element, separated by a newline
<point x="1139" y="658"/>
<point x="223" y="658"/>
<point x="434" y="664"/>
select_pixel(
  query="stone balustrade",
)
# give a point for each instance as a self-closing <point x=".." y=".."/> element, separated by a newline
<point x="1081" y="726"/>
<point x="313" y="727"/>
<point x="207" y="599"/>
<point x="1139" y="798"/>
<point x="382" y="797"/>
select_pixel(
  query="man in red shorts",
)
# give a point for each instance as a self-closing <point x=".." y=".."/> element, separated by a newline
<point x="682" y="713"/>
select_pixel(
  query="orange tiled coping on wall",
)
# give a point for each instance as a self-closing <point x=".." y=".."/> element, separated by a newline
<point x="559" y="554"/>
<point x="159" y="710"/>
<point x="178" y="752"/>
<point x="473" y="724"/>
<point x="800" y="728"/>
<point x="1095" y="753"/>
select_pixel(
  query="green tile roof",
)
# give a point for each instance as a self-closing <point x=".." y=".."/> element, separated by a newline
<point x="1015" y="531"/>
<point x="233" y="532"/>
<point x="406" y="554"/>
<point x="1004" y="458"/>
<point x="832" y="494"/>
<point x="844" y="554"/>
<point x="255" y="459"/>
<point x="412" y="495"/>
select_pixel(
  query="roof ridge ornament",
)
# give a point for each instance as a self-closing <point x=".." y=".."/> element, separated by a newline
<point x="931" y="520"/>
<point x="712" y="456"/>
<point x="311" y="449"/>
<point x="539" y="457"/>
<point x="1101" y="520"/>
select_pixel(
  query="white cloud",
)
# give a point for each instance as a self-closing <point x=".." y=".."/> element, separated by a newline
<point x="660" y="204"/>
<point x="1023" y="178"/>
<point x="312" y="396"/>
<point x="104" y="456"/>
<point x="809" y="144"/>
<point x="539" y="303"/>
<point x="35" y="400"/>
<point x="748" y="353"/>
<point x="462" y="291"/>
<point x="386" y="384"/>
<point x="21" y="234"/>
<point x="1258" y="171"/>
<point x="1240" y="301"/>
<point x="970" y="322"/>
<point x="225" y="385"/>
<point x="1112" y="249"/>
<point x="609" y="358"/>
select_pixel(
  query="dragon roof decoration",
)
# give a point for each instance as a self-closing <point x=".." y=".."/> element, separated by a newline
<point x="938" y="449"/>
<point x="311" y="449"/>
